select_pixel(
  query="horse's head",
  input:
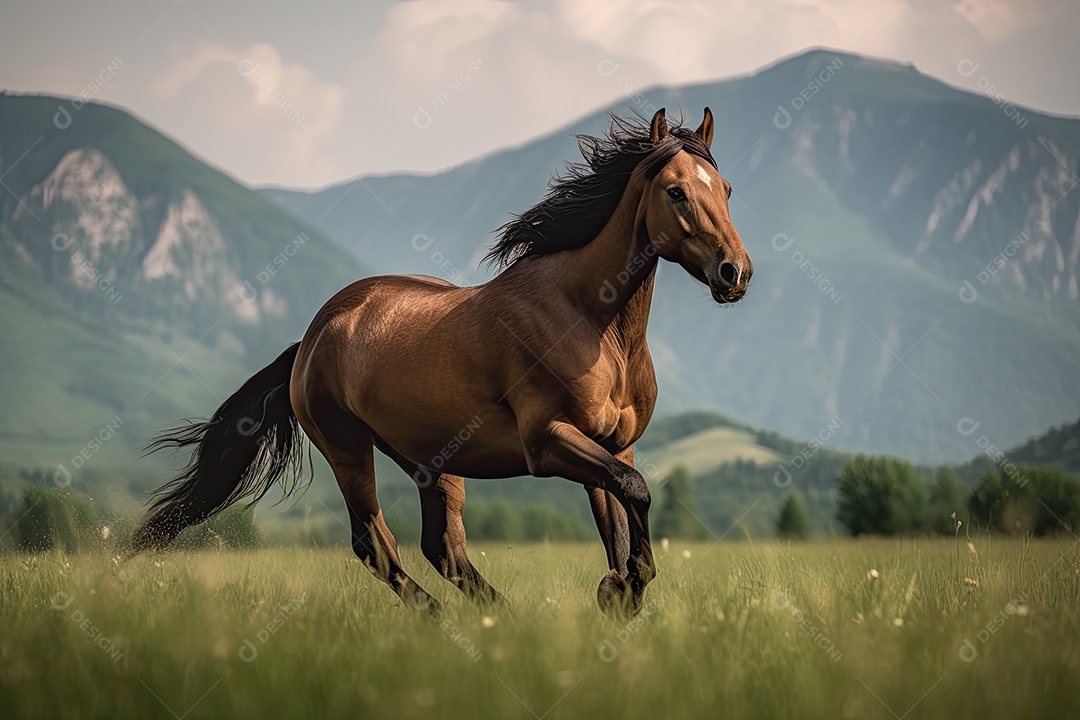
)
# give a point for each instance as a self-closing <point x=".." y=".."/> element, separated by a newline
<point x="684" y="211"/>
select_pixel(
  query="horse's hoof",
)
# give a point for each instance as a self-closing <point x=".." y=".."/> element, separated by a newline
<point x="616" y="597"/>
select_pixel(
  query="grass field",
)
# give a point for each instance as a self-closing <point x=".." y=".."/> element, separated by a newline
<point x="844" y="629"/>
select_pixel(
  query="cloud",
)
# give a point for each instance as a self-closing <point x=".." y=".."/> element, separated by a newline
<point x="998" y="20"/>
<point x="427" y="83"/>
<point x="275" y="118"/>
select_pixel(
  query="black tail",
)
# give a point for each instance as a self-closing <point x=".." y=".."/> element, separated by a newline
<point x="251" y="442"/>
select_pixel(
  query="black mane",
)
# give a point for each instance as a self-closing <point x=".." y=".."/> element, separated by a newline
<point x="580" y="202"/>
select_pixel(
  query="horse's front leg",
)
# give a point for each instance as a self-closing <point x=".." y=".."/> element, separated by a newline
<point x="560" y="449"/>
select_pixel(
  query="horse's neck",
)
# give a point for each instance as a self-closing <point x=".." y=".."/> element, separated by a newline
<point x="611" y="279"/>
<point x="633" y="320"/>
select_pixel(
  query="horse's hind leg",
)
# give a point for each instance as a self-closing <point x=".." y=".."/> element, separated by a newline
<point x="347" y="445"/>
<point x="442" y="539"/>
<point x="443" y="536"/>
<point x="372" y="541"/>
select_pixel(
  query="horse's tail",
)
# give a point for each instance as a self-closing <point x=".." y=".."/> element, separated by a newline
<point x="251" y="442"/>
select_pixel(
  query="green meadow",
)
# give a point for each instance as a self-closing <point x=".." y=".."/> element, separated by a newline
<point x="901" y="628"/>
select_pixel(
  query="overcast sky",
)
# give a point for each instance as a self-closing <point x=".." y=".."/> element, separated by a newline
<point x="310" y="93"/>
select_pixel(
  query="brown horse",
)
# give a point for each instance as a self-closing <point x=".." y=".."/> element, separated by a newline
<point x="544" y="370"/>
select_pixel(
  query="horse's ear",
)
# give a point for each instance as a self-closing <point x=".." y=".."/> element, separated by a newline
<point x="658" y="128"/>
<point x="706" y="129"/>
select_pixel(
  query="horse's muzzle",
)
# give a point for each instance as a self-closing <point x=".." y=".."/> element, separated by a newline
<point x="730" y="282"/>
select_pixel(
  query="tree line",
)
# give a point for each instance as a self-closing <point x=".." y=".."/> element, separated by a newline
<point x="887" y="496"/>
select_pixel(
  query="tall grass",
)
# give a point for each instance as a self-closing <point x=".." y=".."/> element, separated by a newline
<point x="844" y="629"/>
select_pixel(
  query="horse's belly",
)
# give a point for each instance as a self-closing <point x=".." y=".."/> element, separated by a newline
<point x="484" y="444"/>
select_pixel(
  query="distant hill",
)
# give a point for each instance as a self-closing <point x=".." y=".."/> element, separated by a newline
<point x="1058" y="446"/>
<point x="138" y="285"/>
<point x="741" y="476"/>
<point x="890" y="218"/>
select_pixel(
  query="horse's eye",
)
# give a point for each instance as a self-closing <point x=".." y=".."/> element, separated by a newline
<point x="676" y="194"/>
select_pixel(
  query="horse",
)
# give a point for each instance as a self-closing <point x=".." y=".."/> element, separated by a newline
<point x="543" y="371"/>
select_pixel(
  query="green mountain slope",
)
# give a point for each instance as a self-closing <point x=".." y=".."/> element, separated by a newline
<point x="865" y="212"/>
<point x="138" y="285"/>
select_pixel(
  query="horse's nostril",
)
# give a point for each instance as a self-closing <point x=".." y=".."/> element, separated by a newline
<point x="729" y="273"/>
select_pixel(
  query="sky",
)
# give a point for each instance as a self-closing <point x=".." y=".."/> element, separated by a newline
<point x="309" y="94"/>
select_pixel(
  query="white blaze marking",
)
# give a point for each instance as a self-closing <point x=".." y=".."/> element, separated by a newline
<point x="701" y="173"/>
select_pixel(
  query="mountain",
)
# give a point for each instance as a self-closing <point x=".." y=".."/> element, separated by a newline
<point x="915" y="250"/>
<point x="138" y="285"/>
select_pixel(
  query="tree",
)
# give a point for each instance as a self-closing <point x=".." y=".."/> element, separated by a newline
<point x="54" y="520"/>
<point x="677" y="516"/>
<point x="879" y="495"/>
<point x="793" y="522"/>
<point x="502" y="521"/>
<point x="945" y="500"/>
<point x="1037" y="499"/>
